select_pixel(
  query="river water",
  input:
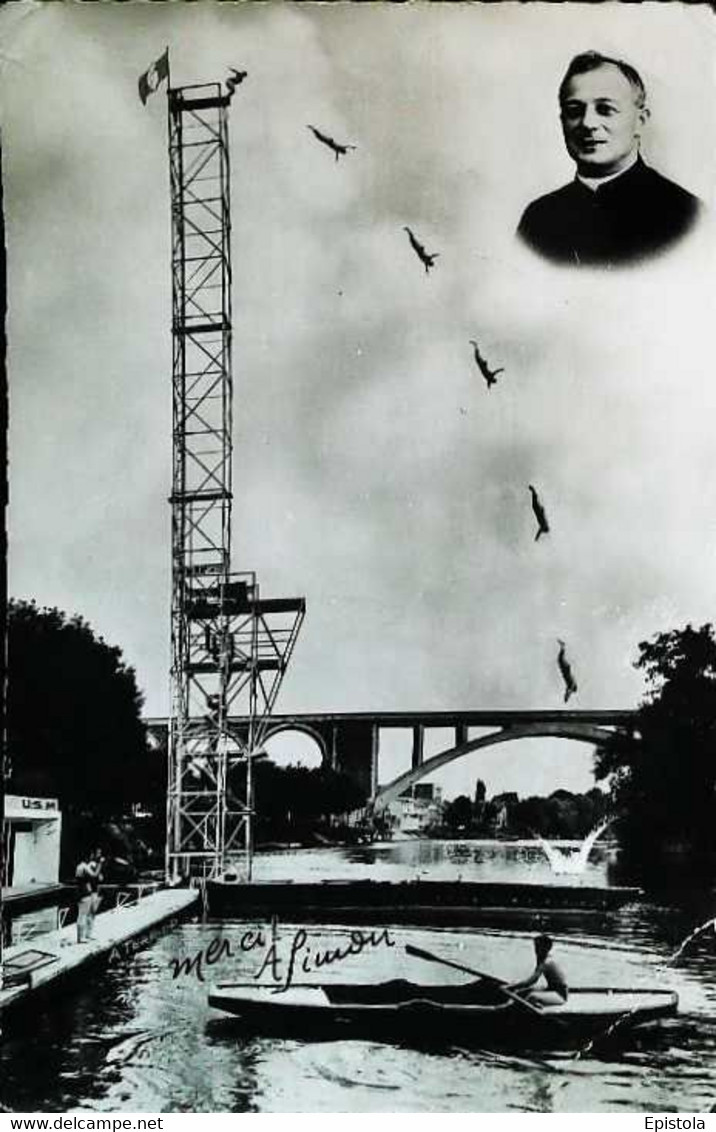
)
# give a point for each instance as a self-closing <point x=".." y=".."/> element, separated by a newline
<point x="135" y="1039"/>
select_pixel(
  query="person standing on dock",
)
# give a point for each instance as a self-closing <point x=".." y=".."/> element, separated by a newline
<point x="555" y="993"/>
<point x="84" y="897"/>
<point x="88" y="875"/>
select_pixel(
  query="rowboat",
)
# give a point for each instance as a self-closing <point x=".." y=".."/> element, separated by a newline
<point x="466" y="1011"/>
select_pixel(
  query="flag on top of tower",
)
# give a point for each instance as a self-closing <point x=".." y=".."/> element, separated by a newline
<point x="150" y="80"/>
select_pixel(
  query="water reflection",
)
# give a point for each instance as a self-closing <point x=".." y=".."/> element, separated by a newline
<point x="523" y="861"/>
<point x="136" y="1039"/>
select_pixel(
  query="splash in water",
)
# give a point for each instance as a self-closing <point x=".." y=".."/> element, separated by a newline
<point x="603" y="1035"/>
<point x="709" y="925"/>
<point x="562" y="862"/>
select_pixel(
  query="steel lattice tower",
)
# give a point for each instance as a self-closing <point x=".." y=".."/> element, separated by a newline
<point x="230" y="648"/>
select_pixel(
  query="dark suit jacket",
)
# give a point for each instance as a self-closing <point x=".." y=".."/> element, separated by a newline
<point x="635" y="215"/>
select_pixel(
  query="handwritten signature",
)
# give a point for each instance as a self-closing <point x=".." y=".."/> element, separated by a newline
<point x="283" y="958"/>
<point x="216" y="950"/>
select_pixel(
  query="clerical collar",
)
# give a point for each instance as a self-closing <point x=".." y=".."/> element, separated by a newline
<point x="595" y="183"/>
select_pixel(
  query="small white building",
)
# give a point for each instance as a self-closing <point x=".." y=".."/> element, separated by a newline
<point x="31" y="841"/>
<point x="31" y="831"/>
<point x="417" y="808"/>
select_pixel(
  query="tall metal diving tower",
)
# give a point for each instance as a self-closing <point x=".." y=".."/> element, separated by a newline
<point x="230" y="648"/>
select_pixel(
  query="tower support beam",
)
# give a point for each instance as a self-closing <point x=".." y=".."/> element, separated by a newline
<point x="229" y="647"/>
<point x="201" y="479"/>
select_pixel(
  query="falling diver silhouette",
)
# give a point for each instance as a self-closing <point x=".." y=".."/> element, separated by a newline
<point x="338" y="149"/>
<point x="539" y="513"/>
<point x="426" y="258"/>
<point x="570" y="684"/>
<point x="234" y="79"/>
<point x="490" y="375"/>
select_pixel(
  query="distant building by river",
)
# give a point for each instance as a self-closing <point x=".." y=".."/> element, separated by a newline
<point x="417" y="809"/>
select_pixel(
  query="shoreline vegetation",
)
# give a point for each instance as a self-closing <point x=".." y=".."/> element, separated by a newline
<point x="660" y="774"/>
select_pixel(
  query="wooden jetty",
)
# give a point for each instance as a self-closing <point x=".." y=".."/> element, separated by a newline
<point x="48" y="960"/>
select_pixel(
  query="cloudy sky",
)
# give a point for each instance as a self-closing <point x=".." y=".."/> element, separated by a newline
<point x="374" y="472"/>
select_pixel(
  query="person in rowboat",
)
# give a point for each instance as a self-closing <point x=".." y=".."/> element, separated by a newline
<point x="555" y="992"/>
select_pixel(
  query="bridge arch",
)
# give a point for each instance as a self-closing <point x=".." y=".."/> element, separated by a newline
<point x="582" y="732"/>
<point x="313" y="733"/>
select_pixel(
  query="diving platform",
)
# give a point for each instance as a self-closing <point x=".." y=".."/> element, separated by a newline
<point x="51" y="959"/>
<point x="415" y="902"/>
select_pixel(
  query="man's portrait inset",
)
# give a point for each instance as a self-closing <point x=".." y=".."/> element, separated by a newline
<point x="617" y="210"/>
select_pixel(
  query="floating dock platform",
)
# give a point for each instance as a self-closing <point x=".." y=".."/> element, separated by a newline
<point x="421" y="902"/>
<point x="42" y="964"/>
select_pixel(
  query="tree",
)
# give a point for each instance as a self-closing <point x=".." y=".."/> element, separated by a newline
<point x="663" y="778"/>
<point x="459" y="813"/>
<point x="480" y="801"/>
<point x="74" y="714"/>
<point x="563" y="814"/>
<point x="292" y="801"/>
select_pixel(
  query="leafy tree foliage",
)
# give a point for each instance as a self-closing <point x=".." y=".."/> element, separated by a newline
<point x="293" y="801"/>
<point x="459" y="814"/>
<point x="664" y="777"/>
<point x="74" y="714"/>
<point x="562" y="814"/>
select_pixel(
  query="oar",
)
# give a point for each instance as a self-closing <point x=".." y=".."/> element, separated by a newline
<point x="420" y="954"/>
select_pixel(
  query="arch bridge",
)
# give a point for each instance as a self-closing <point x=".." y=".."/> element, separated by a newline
<point x="350" y="741"/>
